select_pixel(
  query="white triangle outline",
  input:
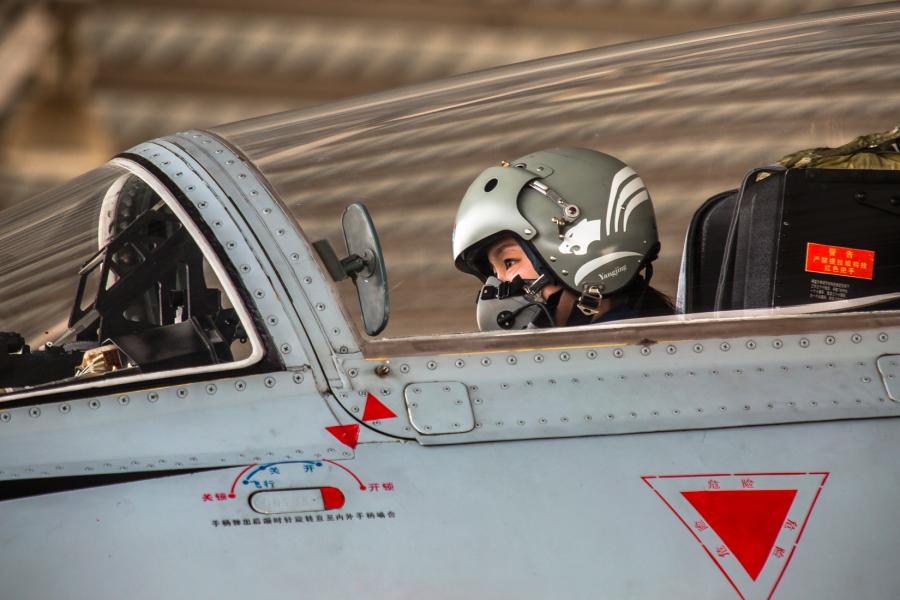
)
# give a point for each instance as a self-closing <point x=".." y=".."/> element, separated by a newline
<point x="809" y="486"/>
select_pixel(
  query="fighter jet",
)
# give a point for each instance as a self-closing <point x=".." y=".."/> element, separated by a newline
<point x="239" y="362"/>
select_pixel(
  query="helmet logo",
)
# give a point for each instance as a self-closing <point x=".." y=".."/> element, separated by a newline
<point x="625" y="194"/>
<point x="613" y="273"/>
<point x="592" y="265"/>
<point x="579" y="237"/>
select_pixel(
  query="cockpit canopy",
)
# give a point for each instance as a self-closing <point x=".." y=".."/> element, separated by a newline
<point x="108" y="276"/>
<point x="692" y="114"/>
<point x="110" y="283"/>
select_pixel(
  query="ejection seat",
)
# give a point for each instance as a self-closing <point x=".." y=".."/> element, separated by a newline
<point x="794" y="236"/>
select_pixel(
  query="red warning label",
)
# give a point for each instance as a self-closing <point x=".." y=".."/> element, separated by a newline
<point x="840" y="261"/>
<point x="749" y="524"/>
<point x="345" y="434"/>
<point x="375" y="410"/>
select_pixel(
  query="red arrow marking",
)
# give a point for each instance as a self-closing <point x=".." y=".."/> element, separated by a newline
<point x="362" y="486"/>
<point x="376" y="410"/>
<point x="345" y="434"/>
<point x="748" y="521"/>
<point x="236" y="479"/>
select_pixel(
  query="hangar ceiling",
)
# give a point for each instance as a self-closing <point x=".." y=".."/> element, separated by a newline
<point x="84" y="79"/>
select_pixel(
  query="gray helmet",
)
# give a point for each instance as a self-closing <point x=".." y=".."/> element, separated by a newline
<point x="585" y="216"/>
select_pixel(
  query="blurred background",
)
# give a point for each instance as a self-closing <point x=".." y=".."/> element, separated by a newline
<point x="81" y="80"/>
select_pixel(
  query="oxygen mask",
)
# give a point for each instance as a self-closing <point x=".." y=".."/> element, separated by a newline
<point x="510" y="305"/>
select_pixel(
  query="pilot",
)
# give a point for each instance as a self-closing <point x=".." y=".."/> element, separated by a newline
<point x="559" y="237"/>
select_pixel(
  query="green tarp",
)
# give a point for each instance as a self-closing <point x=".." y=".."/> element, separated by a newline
<point x="876" y="151"/>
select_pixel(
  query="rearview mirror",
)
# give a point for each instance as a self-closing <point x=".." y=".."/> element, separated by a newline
<point x="364" y="265"/>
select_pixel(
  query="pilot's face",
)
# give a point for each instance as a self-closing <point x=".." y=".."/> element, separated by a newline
<point x="508" y="261"/>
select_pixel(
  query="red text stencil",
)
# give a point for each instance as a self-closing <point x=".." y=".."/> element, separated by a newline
<point x="840" y="261"/>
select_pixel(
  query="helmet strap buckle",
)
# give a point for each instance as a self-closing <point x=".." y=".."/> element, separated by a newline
<point x="589" y="301"/>
<point x="533" y="289"/>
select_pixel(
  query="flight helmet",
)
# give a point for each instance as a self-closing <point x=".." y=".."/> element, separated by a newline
<point x="584" y="219"/>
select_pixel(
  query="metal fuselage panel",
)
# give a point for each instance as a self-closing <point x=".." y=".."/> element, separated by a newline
<point x="533" y="519"/>
<point x="445" y="488"/>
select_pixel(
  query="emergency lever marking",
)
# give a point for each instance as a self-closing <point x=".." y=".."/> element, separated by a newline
<point x="312" y="464"/>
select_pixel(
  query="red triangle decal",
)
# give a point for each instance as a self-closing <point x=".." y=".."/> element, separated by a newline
<point x="375" y="410"/>
<point x="749" y="524"/>
<point x="748" y="521"/>
<point x="346" y="434"/>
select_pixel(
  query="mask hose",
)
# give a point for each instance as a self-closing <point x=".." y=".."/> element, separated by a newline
<point x="540" y="305"/>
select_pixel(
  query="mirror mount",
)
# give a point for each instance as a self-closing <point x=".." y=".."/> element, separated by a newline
<point x="364" y="265"/>
<point x="339" y="268"/>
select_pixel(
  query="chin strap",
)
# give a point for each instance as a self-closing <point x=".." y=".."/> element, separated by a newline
<point x="545" y="276"/>
<point x="533" y="289"/>
<point x="645" y="285"/>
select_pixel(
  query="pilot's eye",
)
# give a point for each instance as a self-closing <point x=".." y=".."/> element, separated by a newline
<point x="508" y="263"/>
